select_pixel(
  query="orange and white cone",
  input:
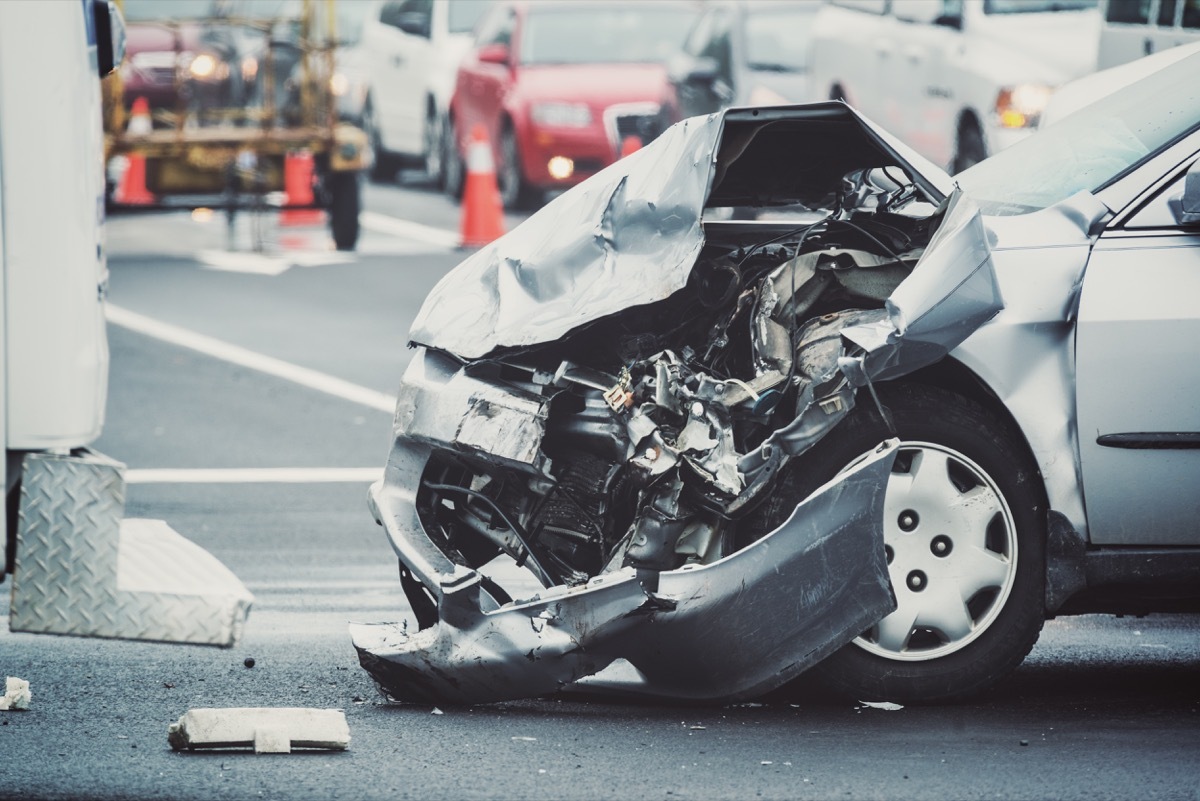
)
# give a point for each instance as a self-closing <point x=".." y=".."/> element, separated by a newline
<point x="132" y="189"/>
<point x="482" y="211"/>
<point x="298" y="170"/>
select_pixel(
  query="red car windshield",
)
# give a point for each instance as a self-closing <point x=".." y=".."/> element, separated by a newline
<point x="601" y="35"/>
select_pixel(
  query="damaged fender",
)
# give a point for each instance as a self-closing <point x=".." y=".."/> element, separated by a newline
<point x="728" y="630"/>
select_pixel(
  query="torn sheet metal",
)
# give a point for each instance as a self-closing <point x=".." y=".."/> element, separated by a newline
<point x="266" y="730"/>
<point x="732" y="629"/>
<point x="640" y="236"/>
<point x="952" y="292"/>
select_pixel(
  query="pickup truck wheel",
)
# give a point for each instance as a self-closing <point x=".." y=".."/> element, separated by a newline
<point x="965" y="541"/>
<point x="383" y="164"/>
<point x="344" y="203"/>
<point x="515" y="193"/>
<point x="453" y="169"/>
<point x="433" y="143"/>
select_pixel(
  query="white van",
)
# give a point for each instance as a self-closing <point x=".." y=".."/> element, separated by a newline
<point x="955" y="79"/>
<point x="1136" y="28"/>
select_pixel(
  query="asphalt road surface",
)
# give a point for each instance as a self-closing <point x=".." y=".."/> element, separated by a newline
<point x="1103" y="708"/>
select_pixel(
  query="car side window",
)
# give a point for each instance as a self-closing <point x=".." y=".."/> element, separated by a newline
<point x="1191" y="15"/>
<point x="1133" y="12"/>
<point x="404" y="13"/>
<point x="1166" y="13"/>
<point x="1161" y="210"/>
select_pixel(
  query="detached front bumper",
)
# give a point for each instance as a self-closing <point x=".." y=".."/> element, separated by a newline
<point x="731" y="629"/>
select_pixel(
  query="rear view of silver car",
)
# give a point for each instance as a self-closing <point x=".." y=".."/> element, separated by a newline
<point x="885" y="435"/>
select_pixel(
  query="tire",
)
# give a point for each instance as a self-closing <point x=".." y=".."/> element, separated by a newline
<point x="515" y="192"/>
<point x="965" y="533"/>
<point x="453" y="169"/>
<point x="384" y="165"/>
<point x="344" y="204"/>
<point x="434" y="145"/>
<point x="970" y="149"/>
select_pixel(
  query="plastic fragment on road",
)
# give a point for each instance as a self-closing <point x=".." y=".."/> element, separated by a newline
<point x="16" y="694"/>
<point x="267" y="730"/>
<point x="83" y="570"/>
<point x="885" y="705"/>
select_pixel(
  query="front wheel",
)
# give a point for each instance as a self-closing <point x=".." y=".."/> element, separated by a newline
<point x="965" y="543"/>
<point x="344" y="204"/>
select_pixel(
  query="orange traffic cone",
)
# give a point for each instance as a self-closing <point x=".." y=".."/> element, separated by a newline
<point x="630" y="144"/>
<point x="132" y="188"/>
<point x="483" y="214"/>
<point x="298" y="186"/>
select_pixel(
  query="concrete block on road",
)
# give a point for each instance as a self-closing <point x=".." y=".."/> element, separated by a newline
<point x="267" y="730"/>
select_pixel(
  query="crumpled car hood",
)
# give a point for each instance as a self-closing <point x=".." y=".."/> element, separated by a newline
<point x="630" y="234"/>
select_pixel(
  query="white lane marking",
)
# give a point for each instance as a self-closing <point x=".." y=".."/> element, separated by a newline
<point x="255" y="475"/>
<point x="374" y="221"/>
<point x="259" y="264"/>
<point x="233" y="262"/>
<point x="251" y="360"/>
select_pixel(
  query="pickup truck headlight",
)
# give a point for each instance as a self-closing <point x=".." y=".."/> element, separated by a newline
<point x="1021" y="106"/>
<point x="561" y="115"/>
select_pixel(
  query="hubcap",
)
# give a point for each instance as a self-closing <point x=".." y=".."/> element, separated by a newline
<point x="952" y="554"/>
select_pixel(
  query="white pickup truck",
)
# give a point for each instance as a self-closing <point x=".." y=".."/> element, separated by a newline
<point x="956" y="80"/>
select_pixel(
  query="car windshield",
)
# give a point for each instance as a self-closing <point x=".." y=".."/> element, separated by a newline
<point x="1036" y="6"/>
<point x="151" y="10"/>
<point x="1090" y="148"/>
<point x="463" y="15"/>
<point x="599" y="35"/>
<point x="777" y="38"/>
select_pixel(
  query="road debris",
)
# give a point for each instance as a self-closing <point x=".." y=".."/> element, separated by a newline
<point x="269" y="731"/>
<point x="16" y="694"/>
<point x="885" y="705"/>
<point x="248" y="662"/>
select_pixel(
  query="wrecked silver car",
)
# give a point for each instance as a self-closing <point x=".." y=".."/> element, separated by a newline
<point x="642" y="448"/>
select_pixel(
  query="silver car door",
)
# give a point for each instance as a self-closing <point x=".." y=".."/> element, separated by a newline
<point x="1137" y="379"/>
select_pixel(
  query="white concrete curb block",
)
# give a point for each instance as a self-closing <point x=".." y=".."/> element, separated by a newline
<point x="269" y="731"/>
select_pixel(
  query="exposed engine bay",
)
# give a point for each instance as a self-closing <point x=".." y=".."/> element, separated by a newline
<point x="661" y="438"/>
<point x="605" y="399"/>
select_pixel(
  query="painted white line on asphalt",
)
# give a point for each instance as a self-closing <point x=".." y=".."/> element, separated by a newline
<point x="251" y="360"/>
<point x="255" y="475"/>
<point x="252" y="263"/>
<point x="374" y="221"/>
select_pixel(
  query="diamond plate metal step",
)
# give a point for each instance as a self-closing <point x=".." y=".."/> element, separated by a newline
<point x="82" y="570"/>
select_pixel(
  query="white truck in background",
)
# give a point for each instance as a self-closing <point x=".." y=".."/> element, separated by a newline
<point x="77" y="567"/>
<point x="956" y="80"/>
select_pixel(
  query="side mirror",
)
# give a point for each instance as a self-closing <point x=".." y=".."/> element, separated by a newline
<point x="110" y="35"/>
<point x="1189" y="204"/>
<point x="493" y="54"/>
<point x="414" y="24"/>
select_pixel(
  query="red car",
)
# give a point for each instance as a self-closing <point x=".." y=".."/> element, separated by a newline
<point x="559" y="86"/>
